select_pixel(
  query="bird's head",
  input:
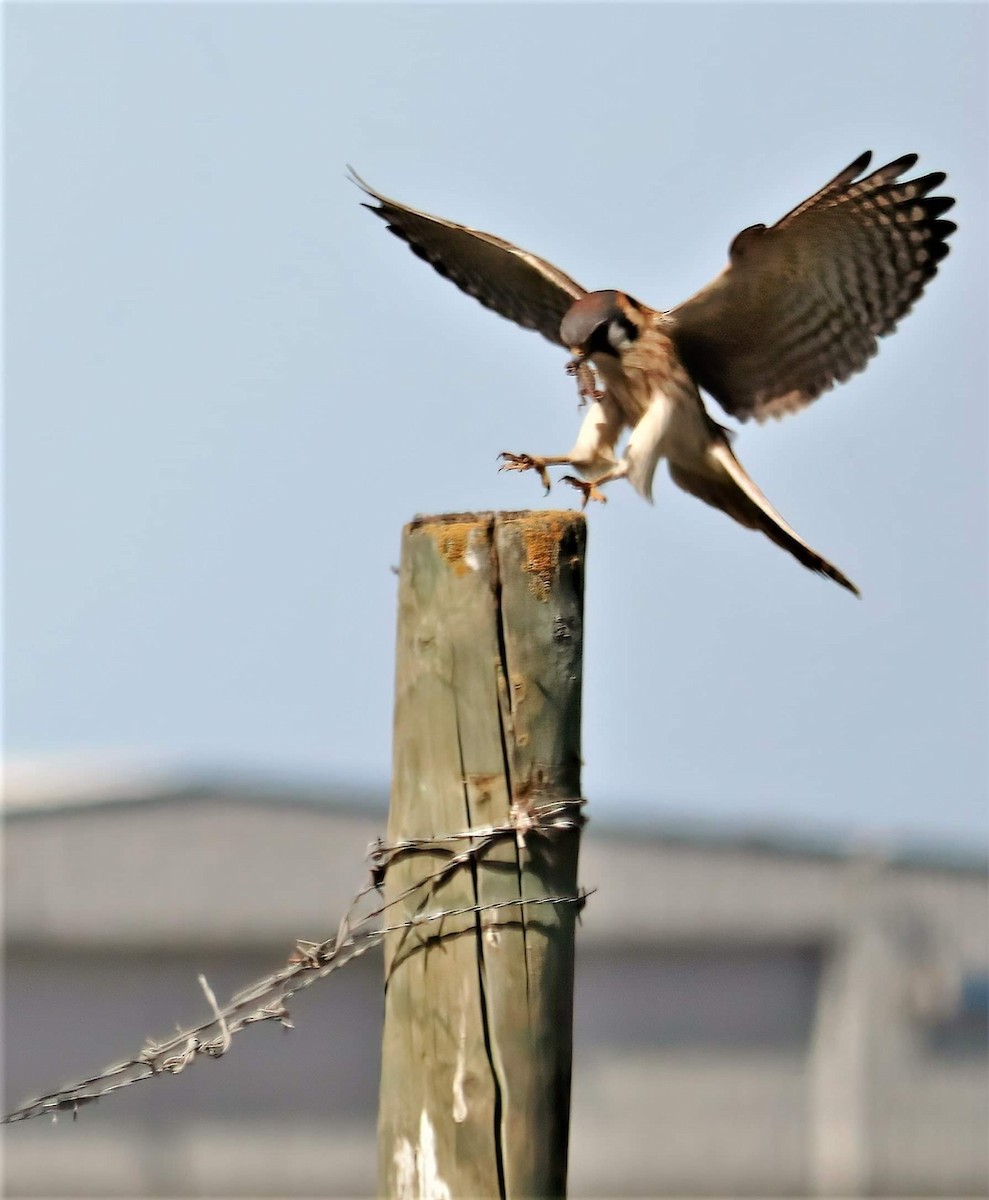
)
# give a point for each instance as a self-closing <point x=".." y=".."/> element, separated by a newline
<point x="601" y="323"/>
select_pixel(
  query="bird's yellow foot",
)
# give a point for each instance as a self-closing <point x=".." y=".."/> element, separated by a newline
<point x="587" y="387"/>
<point x="526" y="462"/>
<point x="590" y="491"/>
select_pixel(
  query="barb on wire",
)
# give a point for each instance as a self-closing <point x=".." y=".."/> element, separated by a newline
<point x="359" y="931"/>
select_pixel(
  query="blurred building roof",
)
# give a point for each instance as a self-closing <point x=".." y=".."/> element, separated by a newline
<point x="47" y="786"/>
<point x="742" y="988"/>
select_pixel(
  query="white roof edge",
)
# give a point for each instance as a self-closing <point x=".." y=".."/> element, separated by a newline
<point x="62" y="781"/>
<point x="48" y="785"/>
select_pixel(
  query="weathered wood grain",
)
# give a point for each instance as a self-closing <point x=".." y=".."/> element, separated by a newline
<point x="475" y="1083"/>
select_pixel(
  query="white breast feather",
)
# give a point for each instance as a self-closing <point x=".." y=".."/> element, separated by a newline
<point x="647" y="444"/>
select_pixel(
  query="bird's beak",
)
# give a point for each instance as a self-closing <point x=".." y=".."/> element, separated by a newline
<point x="578" y="360"/>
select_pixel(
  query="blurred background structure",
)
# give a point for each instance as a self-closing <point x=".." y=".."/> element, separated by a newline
<point x="757" y="1013"/>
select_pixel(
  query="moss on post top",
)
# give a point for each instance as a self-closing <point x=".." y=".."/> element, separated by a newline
<point x="544" y="532"/>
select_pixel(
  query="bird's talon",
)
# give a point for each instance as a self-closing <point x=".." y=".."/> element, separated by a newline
<point x="526" y="462"/>
<point x="517" y="462"/>
<point x="590" y="492"/>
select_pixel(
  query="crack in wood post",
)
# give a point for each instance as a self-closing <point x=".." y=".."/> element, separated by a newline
<point x="476" y="1048"/>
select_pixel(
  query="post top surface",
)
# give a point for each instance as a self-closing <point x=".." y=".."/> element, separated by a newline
<point x="556" y="515"/>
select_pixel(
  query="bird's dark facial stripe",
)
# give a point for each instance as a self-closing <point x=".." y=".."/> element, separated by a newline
<point x="629" y="331"/>
<point x="599" y="341"/>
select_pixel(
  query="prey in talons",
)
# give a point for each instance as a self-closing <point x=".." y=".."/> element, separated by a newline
<point x="587" y="384"/>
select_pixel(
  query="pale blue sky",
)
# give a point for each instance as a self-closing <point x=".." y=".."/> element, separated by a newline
<point x="228" y="388"/>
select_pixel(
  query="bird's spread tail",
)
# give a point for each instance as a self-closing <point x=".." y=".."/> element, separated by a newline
<point x="724" y="483"/>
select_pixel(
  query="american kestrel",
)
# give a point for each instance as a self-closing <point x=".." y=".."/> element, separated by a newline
<point x="798" y="308"/>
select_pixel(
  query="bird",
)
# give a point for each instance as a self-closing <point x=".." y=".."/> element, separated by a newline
<point x="799" y="307"/>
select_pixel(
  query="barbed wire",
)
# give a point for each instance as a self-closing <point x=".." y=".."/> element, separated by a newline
<point x="358" y="932"/>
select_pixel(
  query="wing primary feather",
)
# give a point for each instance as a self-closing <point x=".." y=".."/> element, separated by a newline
<point x="802" y="303"/>
<point x="841" y="180"/>
<point x="934" y="206"/>
<point x="505" y="278"/>
<point x="890" y="171"/>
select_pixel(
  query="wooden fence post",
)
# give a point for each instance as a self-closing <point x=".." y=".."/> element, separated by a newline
<point x="475" y="1077"/>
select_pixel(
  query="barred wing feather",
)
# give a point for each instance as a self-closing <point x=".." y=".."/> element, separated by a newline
<point x="511" y="281"/>
<point x="801" y="304"/>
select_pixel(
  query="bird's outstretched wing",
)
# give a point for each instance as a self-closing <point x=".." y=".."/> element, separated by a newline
<point x="801" y="304"/>
<point x="516" y="284"/>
